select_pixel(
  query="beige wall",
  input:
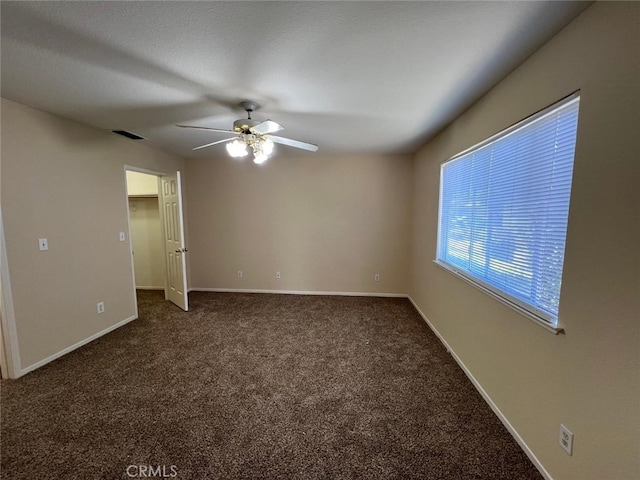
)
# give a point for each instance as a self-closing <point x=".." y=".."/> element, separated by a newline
<point x="66" y="182"/>
<point x="326" y="223"/>
<point x="589" y="377"/>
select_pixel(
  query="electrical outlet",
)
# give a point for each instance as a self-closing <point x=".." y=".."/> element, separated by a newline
<point x="239" y="273"/>
<point x="566" y="439"/>
<point x="376" y="277"/>
<point x="100" y="307"/>
<point x="278" y="275"/>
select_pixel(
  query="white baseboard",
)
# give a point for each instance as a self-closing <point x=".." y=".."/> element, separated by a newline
<point x="142" y="287"/>
<point x="299" y="292"/>
<point x="486" y="396"/>
<point x="81" y="343"/>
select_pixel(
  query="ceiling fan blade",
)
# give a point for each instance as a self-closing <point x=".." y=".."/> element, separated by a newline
<point x="294" y="143"/>
<point x="214" y="143"/>
<point x="265" y="127"/>
<point x="206" y="128"/>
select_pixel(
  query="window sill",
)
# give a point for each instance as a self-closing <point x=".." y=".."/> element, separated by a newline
<point x="530" y="316"/>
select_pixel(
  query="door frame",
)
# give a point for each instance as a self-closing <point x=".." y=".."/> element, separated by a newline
<point x="10" y="361"/>
<point x="158" y="175"/>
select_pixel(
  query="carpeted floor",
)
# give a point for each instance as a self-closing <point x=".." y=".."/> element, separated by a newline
<point x="257" y="386"/>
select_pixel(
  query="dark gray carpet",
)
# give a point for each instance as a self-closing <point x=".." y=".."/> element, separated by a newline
<point x="257" y="386"/>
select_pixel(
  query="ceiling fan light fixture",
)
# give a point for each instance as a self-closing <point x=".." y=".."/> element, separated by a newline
<point x="260" y="157"/>
<point x="267" y="146"/>
<point x="237" y="148"/>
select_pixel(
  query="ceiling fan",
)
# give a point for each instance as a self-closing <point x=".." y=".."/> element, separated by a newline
<point x="252" y="134"/>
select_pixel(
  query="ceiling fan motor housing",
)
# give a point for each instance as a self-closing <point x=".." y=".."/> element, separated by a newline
<point x="243" y="125"/>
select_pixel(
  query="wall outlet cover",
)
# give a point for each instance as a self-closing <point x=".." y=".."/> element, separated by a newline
<point x="566" y="439"/>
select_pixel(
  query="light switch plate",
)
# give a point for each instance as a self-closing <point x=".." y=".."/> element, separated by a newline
<point x="43" y="244"/>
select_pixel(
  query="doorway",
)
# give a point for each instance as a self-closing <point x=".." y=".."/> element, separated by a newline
<point x="145" y="231"/>
<point x="156" y="233"/>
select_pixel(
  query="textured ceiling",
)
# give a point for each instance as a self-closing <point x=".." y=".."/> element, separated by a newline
<point x="349" y="76"/>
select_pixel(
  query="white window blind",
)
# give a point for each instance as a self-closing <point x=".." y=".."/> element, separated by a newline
<point x="504" y="206"/>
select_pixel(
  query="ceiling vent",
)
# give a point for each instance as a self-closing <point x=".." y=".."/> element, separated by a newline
<point x="130" y="135"/>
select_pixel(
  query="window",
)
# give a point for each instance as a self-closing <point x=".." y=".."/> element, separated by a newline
<point x="504" y="206"/>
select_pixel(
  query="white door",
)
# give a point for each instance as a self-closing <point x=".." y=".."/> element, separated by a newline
<point x="171" y="195"/>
